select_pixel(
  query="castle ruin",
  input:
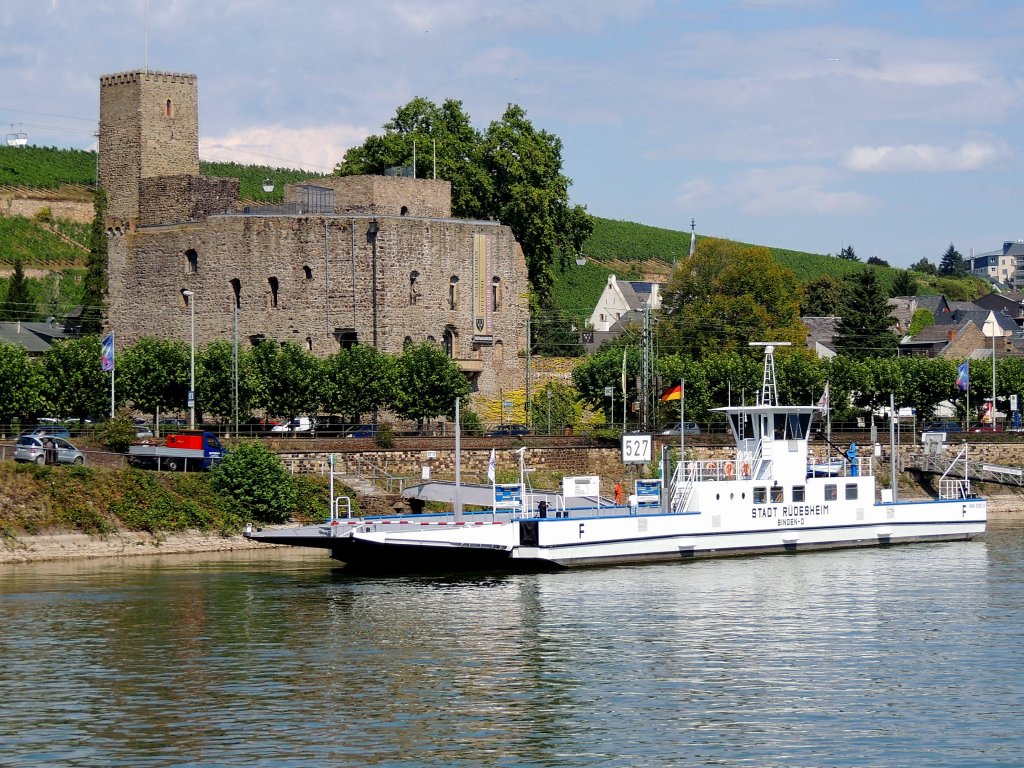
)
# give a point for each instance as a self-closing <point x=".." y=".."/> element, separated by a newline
<point x="343" y="260"/>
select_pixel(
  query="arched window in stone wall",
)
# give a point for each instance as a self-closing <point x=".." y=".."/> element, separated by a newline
<point x="496" y="292"/>
<point x="414" y="288"/>
<point x="309" y="343"/>
<point x="405" y="210"/>
<point x="191" y="261"/>
<point x="236" y="286"/>
<point x="307" y="272"/>
<point x="169" y="109"/>
<point x="498" y="355"/>
<point x="274" y="285"/>
<point x="407" y="342"/>
<point x="450" y="341"/>
<point x="186" y="297"/>
<point x="453" y="292"/>
<point x="432" y="340"/>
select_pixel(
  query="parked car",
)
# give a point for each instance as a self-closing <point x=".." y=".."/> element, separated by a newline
<point x="986" y="428"/>
<point x="47" y="430"/>
<point x="508" y="430"/>
<point x="29" y="448"/>
<point x="173" y="423"/>
<point x="941" y="426"/>
<point x="143" y="431"/>
<point x="363" y="430"/>
<point x="300" y="424"/>
<point x="686" y="428"/>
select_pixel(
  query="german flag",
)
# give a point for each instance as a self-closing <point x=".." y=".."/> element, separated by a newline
<point x="675" y="393"/>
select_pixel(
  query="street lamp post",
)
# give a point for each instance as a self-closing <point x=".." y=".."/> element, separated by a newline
<point x="190" y="297"/>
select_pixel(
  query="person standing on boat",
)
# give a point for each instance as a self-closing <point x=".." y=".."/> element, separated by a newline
<point x="618" y="493"/>
<point x="542" y="508"/>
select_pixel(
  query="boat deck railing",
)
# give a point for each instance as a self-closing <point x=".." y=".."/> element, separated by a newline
<point x="342" y="526"/>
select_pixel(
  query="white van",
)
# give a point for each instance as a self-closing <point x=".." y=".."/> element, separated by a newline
<point x="300" y="424"/>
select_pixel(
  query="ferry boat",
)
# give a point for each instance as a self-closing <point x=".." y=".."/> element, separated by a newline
<point x="770" y="495"/>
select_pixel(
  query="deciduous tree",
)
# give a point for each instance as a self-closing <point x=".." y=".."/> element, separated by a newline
<point x="76" y="386"/>
<point x="727" y="295"/>
<point x="427" y="383"/>
<point x="358" y="380"/>
<point x="511" y="172"/>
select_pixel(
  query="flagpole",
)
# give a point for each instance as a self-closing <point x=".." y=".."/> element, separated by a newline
<point x="967" y="406"/>
<point x="682" y="420"/>
<point x="457" y="505"/>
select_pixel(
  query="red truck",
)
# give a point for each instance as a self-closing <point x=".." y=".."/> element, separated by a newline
<point x="181" y="451"/>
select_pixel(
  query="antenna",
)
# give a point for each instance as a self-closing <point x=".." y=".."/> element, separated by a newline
<point x="769" y="386"/>
<point x="145" y="36"/>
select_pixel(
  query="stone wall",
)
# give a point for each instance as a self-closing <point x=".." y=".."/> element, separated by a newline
<point x="383" y="195"/>
<point x="61" y="209"/>
<point x="318" y="296"/>
<point x="184" y="198"/>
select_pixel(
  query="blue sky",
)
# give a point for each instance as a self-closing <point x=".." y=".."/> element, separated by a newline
<point x="893" y="126"/>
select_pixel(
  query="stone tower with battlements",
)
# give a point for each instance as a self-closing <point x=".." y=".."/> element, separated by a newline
<point x="149" y="128"/>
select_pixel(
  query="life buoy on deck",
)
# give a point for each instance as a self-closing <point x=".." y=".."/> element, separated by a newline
<point x="746" y="469"/>
<point x="730" y="470"/>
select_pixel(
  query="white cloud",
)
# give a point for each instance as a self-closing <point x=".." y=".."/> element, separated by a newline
<point x="969" y="156"/>
<point x="766" y="191"/>
<point x="311" y="149"/>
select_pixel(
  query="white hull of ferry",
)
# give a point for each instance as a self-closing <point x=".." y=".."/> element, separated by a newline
<point x="439" y="542"/>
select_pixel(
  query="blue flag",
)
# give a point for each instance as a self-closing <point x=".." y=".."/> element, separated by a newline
<point x="107" y="353"/>
<point x="961" y="376"/>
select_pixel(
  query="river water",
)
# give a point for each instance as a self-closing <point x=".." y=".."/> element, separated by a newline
<point x="908" y="656"/>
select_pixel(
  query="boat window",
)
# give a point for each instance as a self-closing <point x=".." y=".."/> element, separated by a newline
<point x="851" y="490"/>
<point x="799" y="493"/>
<point x="776" y="494"/>
<point x="780" y="425"/>
<point x="830" y="492"/>
<point x="760" y="494"/>
<point x="798" y="423"/>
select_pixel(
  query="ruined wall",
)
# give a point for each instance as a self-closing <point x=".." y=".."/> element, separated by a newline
<point x="305" y="278"/>
<point x="384" y="195"/>
<point x="183" y="198"/>
<point x="60" y="209"/>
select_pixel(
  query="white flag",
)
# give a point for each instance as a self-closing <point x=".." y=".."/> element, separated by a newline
<point x="823" y="403"/>
<point x="491" y="466"/>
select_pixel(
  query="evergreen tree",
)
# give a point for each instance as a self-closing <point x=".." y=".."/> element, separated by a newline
<point x="18" y="304"/>
<point x="903" y="284"/>
<point x="94" y="297"/>
<point x="925" y="267"/>
<point x="953" y="264"/>
<point x="848" y="254"/>
<point x="865" y="330"/>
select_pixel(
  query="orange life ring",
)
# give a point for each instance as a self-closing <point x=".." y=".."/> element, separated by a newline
<point x="746" y="469"/>
<point x="730" y="470"/>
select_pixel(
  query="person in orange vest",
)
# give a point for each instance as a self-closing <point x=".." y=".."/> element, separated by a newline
<point x="618" y="493"/>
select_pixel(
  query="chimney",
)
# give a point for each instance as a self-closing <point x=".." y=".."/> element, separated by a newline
<point x="951" y="334"/>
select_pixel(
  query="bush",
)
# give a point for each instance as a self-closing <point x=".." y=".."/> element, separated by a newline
<point x="255" y="480"/>
<point x="385" y="436"/>
<point x="115" y="435"/>
<point x="470" y="423"/>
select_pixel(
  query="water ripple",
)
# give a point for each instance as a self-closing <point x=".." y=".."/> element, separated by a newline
<point x="899" y="657"/>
